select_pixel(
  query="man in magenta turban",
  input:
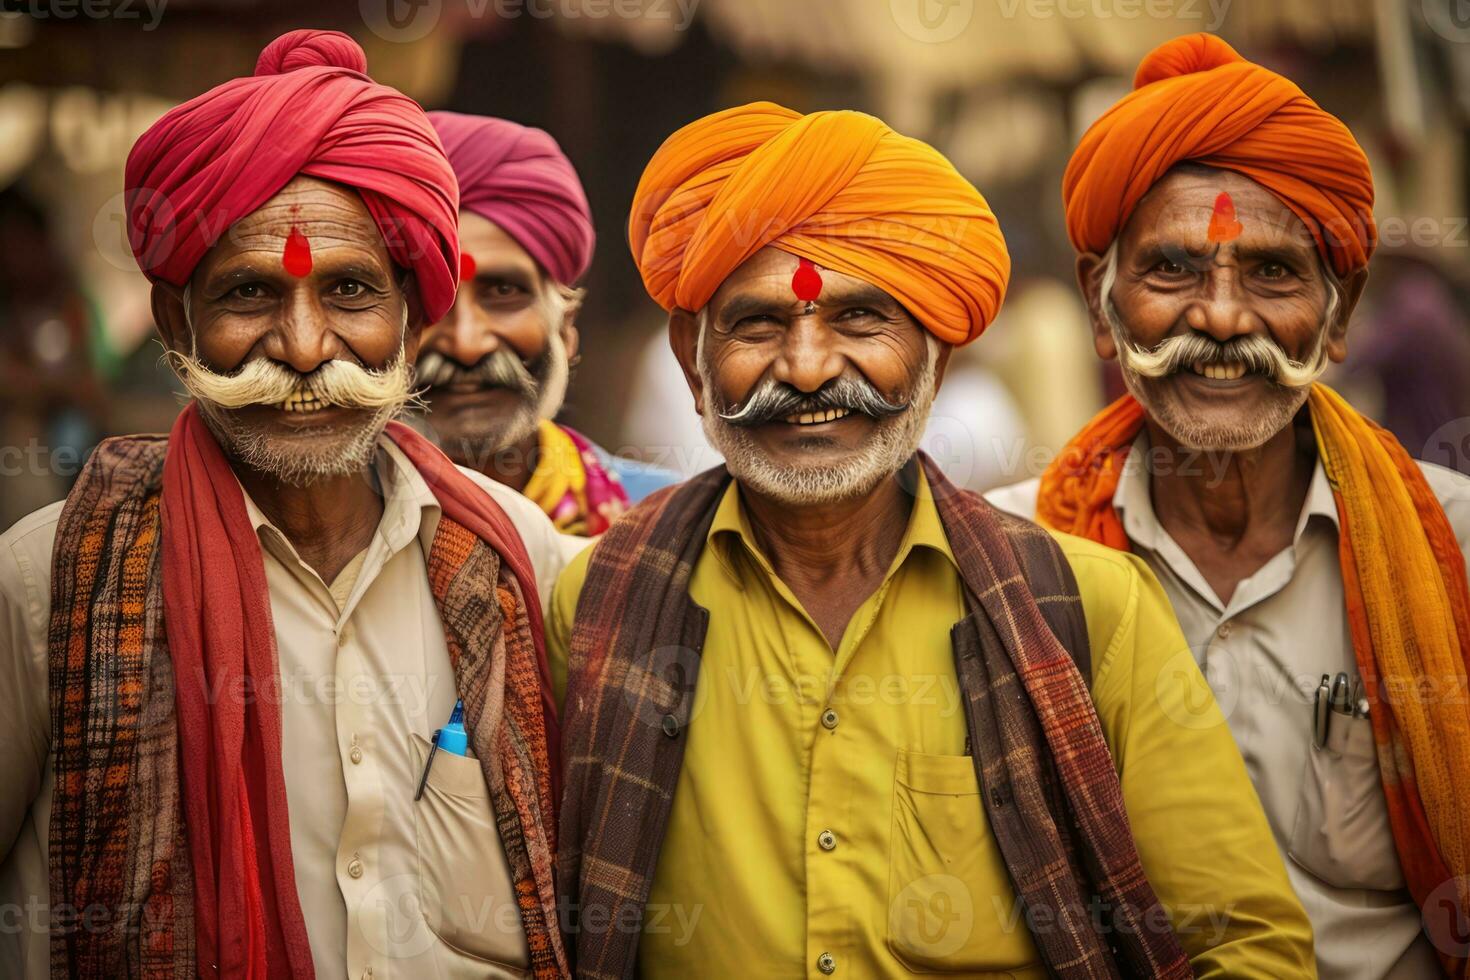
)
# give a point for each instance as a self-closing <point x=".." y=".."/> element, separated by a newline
<point x="497" y="367"/>
<point x="230" y="648"/>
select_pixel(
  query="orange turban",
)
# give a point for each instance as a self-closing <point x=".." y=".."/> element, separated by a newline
<point x="838" y="188"/>
<point x="1195" y="99"/>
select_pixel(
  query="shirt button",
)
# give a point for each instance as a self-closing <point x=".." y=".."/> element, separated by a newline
<point x="829" y="719"/>
<point x="1224" y="631"/>
<point x="671" y="726"/>
<point x="827" y="840"/>
<point x="355" y="755"/>
<point x="354" y="868"/>
<point x="367" y="974"/>
<point x="826" y="963"/>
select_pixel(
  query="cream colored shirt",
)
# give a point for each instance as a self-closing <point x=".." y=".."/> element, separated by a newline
<point x="388" y="887"/>
<point x="1264" y="653"/>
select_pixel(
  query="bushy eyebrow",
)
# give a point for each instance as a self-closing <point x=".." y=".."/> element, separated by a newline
<point x="743" y="305"/>
<point x="223" y="280"/>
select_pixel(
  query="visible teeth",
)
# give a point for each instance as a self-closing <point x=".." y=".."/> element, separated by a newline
<point x="302" y="401"/>
<point x="817" y="418"/>
<point x="1219" y="372"/>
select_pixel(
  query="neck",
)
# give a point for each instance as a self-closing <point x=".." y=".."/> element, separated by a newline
<point x="328" y="522"/>
<point x="833" y="555"/>
<point x="514" y="464"/>
<point x="1230" y="511"/>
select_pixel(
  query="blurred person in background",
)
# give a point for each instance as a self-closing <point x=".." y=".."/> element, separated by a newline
<point x="191" y="791"/>
<point x="1413" y="308"/>
<point x="954" y="706"/>
<point x="496" y="369"/>
<point x="1224" y="225"/>
<point x="50" y="400"/>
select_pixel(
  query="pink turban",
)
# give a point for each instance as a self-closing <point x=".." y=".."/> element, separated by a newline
<point x="518" y="178"/>
<point x="308" y="109"/>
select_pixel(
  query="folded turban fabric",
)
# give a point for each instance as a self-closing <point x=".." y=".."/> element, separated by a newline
<point x="1194" y="98"/>
<point x="518" y="178"/>
<point x="838" y="188"/>
<point x="309" y="109"/>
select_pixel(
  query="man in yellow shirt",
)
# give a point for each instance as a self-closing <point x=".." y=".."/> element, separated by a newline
<point x="826" y="714"/>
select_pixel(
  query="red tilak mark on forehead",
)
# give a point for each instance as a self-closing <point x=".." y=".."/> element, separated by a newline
<point x="296" y="256"/>
<point x="806" y="281"/>
<point x="1223" y="226"/>
<point x="466" y="267"/>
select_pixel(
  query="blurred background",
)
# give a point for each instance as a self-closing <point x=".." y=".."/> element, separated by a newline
<point x="1002" y="87"/>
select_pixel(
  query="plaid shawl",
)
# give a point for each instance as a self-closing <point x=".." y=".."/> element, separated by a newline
<point x="1047" y="779"/>
<point x="123" y="886"/>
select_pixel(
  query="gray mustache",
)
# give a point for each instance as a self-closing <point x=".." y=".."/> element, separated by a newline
<point x="500" y="368"/>
<point x="774" y="400"/>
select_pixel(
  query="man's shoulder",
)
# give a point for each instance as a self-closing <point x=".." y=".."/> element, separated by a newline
<point x="1452" y="489"/>
<point x="29" y="541"/>
<point x="573" y="576"/>
<point x="548" y="548"/>
<point x="1018" y="498"/>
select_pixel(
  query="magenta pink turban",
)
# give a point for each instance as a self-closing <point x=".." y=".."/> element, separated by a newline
<point x="311" y="109"/>
<point x="518" y="178"/>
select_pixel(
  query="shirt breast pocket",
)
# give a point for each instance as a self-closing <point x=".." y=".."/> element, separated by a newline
<point x="951" y="905"/>
<point x="1341" y="832"/>
<point x="464" y="880"/>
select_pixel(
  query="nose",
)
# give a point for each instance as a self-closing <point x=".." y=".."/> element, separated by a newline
<point x="304" y="339"/>
<point x="1223" y="310"/>
<point x="464" y="334"/>
<point x="808" y="357"/>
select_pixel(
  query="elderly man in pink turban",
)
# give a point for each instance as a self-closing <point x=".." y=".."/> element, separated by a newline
<point x="497" y="367"/>
<point x="287" y="568"/>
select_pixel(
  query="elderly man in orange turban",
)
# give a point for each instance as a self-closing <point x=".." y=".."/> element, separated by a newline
<point x="824" y="711"/>
<point x="1224" y="227"/>
<point x="226" y="651"/>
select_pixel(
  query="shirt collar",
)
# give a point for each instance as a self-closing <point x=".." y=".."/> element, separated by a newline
<point x="731" y="529"/>
<point x="409" y="506"/>
<point x="1133" y="499"/>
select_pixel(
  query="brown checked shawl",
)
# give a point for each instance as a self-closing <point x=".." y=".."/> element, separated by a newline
<point x="122" y="891"/>
<point x="1047" y="778"/>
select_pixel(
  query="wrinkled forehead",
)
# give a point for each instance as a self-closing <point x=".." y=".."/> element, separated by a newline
<point x="1197" y="208"/>
<point x="493" y="246"/>
<point x="329" y="215"/>
<point x="769" y="274"/>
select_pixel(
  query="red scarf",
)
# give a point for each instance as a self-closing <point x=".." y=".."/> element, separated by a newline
<point x="222" y="643"/>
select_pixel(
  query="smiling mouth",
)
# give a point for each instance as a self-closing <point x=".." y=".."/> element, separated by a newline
<point x="1233" y="371"/>
<point x="303" y="402"/>
<point x="817" y="418"/>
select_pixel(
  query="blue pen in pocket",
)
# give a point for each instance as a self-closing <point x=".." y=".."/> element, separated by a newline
<point x="451" y="738"/>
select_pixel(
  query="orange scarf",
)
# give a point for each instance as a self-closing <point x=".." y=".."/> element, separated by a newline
<point x="1408" y="607"/>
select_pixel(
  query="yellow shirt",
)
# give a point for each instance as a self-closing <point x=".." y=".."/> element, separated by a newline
<point x="827" y="807"/>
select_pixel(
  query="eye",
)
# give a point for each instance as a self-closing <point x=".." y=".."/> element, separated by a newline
<point x="1275" y="270"/>
<point x="856" y="312"/>
<point x="756" y="320"/>
<point x="247" y="290"/>
<point x="1168" y="267"/>
<point x="351" y="288"/>
<point x="502" y="289"/>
